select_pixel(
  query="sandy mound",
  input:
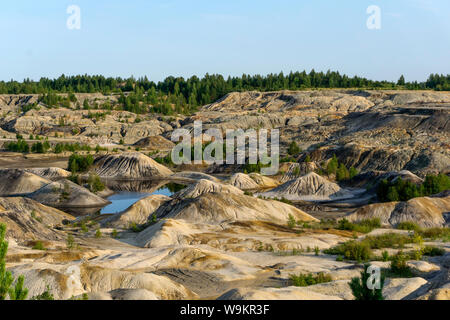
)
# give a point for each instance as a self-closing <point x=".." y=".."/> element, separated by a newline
<point x="138" y="213"/>
<point x="289" y="293"/>
<point x="394" y="289"/>
<point x="66" y="194"/>
<point x="263" y="181"/>
<point x="192" y="176"/>
<point x="27" y="219"/>
<point x="129" y="166"/>
<point x="19" y="182"/>
<point x="124" y="294"/>
<point x="205" y="186"/>
<point x="155" y="143"/>
<point x="96" y="279"/>
<point x="294" y="170"/>
<point x="252" y="181"/>
<point x="214" y="208"/>
<point x="243" y="182"/>
<point x="252" y="236"/>
<point x="309" y="187"/>
<point x="73" y="280"/>
<point x="50" y="173"/>
<point x="425" y="211"/>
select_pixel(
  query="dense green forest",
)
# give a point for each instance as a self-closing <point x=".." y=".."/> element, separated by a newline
<point x="186" y="94"/>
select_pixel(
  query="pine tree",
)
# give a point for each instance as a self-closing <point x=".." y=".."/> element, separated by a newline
<point x="6" y="278"/>
<point x="294" y="149"/>
<point x="332" y="165"/>
<point x="401" y="81"/>
<point x="360" y="289"/>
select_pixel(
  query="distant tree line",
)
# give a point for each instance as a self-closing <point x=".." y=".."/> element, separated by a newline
<point x="179" y="95"/>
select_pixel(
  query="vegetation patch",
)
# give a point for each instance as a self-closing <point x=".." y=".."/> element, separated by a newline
<point x="401" y="190"/>
<point x="305" y="280"/>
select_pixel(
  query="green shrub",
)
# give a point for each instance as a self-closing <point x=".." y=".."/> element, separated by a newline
<point x="433" y="251"/>
<point x="19" y="146"/>
<point x="385" y="256"/>
<point x="84" y="228"/>
<point x="291" y="221"/>
<point x="98" y="234"/>
<point x="316" y="251"/>
<point x="40" y="147"/>
<point x="352" y="250"/>
<point x="38" y="246"/>
<point x="46" y="295"/>
<point x="360" y="289"/>
<point x="134" y="227"/>
<point x="401" y="190"/>
<point x="399" y="265"/>
<point x="388" y="240"/>
<point x="364" y="226"/>
<point x="408" y="225"/>
<point x="436" y="233"/>
<point x="294" y="149"/>
<point x="70" y="242"/>
<point x="78" y="163"/>
<point x="18" y="292"/>
<point x="95" y="184"/>
<point x="305" y="280"/>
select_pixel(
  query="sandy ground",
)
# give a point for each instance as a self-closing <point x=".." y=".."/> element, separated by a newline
<point x="10" y="160"/>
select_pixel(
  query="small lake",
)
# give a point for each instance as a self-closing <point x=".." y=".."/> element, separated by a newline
<point x="122" y="200"/>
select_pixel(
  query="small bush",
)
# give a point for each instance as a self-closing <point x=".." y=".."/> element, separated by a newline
<point x="78" y="163"/>
<point x="399" y="266"/>
<point x="408" y="225"/>
<point x="364" y="226"/>
<point x="70" y="242"/>
<point x="436" y="233"/>
<point x="433" y="251"/>
<point x="39" y="246"/>
<point x="46" y="295"/>
<point x="305" y="280"/>
<point x="352" y="250"/>
<point x="316" y="251"/>
<point x="98" y="234"/>
<point x="388" y="240"/>
<point x="291" y="221"/>
<point x="95" y="184"/>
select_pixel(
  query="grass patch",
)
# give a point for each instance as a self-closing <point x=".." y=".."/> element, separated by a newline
<point x="436" y="234"/>
<point x="362" y="250"/>
<point x="388" y="240"/>
<point x="352" y="250"/>
<point x="408" y="225"/>
<point x="363" y="226"/>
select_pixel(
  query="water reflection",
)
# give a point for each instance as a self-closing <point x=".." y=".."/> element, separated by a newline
<point x="122" y="200"/>
<point x="126" y="193"/>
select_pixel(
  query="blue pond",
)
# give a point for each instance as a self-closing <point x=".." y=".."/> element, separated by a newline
<point x="124" y="199"/>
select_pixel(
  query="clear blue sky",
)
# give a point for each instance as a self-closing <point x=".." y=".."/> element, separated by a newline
<point x="159" y="38"/>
